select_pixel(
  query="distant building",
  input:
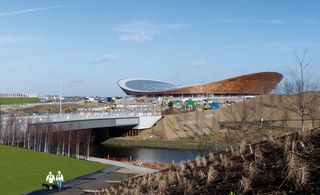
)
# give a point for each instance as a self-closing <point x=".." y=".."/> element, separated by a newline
<point x="249" y="85"/>
<point x="90" y="100"/>
<point x="18" y="95"/>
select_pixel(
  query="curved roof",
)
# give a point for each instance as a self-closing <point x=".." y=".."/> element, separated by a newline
<point x="255" y="83"/>
<point x="145" y="85"/>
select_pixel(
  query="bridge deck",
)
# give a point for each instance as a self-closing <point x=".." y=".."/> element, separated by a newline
<point x="91" y="123"/>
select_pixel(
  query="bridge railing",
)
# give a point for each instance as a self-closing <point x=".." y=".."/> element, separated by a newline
<point x="87" y="116"/>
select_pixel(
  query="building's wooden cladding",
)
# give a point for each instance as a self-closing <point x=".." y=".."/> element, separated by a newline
<point x="256" y="83"/>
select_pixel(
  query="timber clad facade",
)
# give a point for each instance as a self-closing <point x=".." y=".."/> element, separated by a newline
<point x="250" y="84"/>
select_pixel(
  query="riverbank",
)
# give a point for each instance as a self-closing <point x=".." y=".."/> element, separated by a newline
<point x="169" y="144"/>
<point x="285" y="165"/>
<point x="122" y="164"/>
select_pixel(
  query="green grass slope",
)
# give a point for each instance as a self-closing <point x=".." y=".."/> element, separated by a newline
<point x="22" y="170"/>
<point x="6" y="101"/>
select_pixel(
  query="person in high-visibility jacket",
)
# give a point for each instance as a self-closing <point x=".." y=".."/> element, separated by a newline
<point x="59" y="179"/>
<point x="50" y="180"/>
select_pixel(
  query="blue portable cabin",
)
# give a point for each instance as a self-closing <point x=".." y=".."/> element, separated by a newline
<point x="215" y="105"/>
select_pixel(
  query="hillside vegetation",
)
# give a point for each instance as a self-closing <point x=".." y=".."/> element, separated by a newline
<point x="287" y="165"/>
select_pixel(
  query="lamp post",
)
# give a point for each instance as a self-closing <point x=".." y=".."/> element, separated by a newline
<point x="60" y="100"/>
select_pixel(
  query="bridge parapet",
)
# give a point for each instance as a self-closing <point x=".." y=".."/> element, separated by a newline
<point x="86" y="120"/>
<point x="80" y="121"/>
<point x="85" y="116"/>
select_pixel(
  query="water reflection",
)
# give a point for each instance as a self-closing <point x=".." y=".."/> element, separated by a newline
<point x="145" y="154"/>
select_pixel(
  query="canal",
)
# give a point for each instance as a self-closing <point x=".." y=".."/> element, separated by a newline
<point x="145" y="154"/>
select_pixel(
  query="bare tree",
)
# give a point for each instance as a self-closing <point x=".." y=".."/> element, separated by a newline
<point x="35" y="136"/>
<point x="69" y="143"/>
<point x="77" y="144"/>
<point x="46" y="138"/>
<point x="50" y="136"/>
<point x="24" y="129"/>
<point x="59" y="140"/>
<point x="301" y="89"/>
<point x="10" y="129"/>
<point x="6" y="131"/>
<point x="29" y="134"/>
<point x="63" y="141"/>
<point x="25" y="138"/>
<point x="1" y="127"/>
<point x="40" y="135"/>
<point x="18" y="130"/>
<point x="241" y="113"/>
<point x="88" y="141"/>
<point x="200" y="123"/>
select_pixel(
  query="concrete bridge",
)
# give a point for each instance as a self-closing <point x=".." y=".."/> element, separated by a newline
<point x="71" y="134"/>
<point x="68" y="122"/>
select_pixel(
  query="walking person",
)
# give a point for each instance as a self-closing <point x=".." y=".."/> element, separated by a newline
<point x="50" y="180"/>
<point x="59" y="179"/>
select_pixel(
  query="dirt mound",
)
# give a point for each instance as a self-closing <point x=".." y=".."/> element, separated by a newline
<point x="287" y="165"/>
<point x="268" y="107"/>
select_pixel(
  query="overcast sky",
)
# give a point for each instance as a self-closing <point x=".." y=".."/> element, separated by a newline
<point x="90" y="45"/>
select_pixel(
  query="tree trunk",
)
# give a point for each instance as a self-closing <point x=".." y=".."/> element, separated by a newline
<point x="46" y="141"/>
<point x="63" y="143"/>
<point x="12" y="139"/>
<point x="88" y="144"/>
<point x="35" y="138"/>
<point x="29" y="135"/>
<point x="24" y="139"/>
<point x="78" y="145"/>
<point x="69" y="143"/>
<point x="40" y="141"/>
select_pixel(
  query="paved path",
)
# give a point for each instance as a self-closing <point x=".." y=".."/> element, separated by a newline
<point x="90" y="177"/>
<point x="121" y="164"/>
<point x="91" y="182"/>
<point x="96" y="184"/>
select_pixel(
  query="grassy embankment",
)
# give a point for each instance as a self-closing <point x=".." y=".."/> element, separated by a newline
<point x="24" y="170"/>
<point x="7" y="101"/>
<point x="170" y="144"/>
<point x="214" y="142"/>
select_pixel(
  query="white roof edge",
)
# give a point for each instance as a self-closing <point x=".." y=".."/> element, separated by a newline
<point x="122" y="84"/>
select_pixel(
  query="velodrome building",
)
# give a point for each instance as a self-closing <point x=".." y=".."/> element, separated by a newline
<point x="249" y="84"/>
